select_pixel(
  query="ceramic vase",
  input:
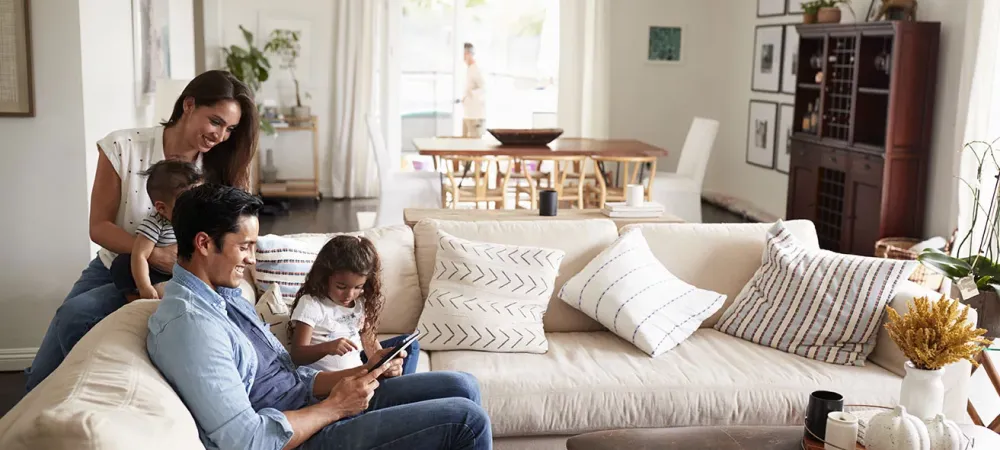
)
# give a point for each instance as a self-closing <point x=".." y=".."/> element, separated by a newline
<point x="945" y="434"/>
<point x="896" y="430"/>
<point x="269" y="173"/>
<point x="828" y="15"/>
<point x="922" y="392"/>
<point x="809" y="18"/>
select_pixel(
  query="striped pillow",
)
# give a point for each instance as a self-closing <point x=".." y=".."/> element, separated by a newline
<point x="283" y="261"/>
<point x="630" y="292"/>
<point x="814" y="303"/>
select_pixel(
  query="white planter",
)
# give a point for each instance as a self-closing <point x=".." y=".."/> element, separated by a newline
<point x="922" y="392"/>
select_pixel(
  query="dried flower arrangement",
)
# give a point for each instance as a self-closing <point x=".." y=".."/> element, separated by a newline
<point x="935" y="335"/>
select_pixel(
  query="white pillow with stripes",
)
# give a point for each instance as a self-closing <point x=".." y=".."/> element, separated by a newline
<point x="630" y="292"/>
<point x="814" y="303"/>
<point x="284" y="262"/>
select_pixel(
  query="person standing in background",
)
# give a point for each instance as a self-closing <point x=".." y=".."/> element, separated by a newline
<point x="474" y="100"/>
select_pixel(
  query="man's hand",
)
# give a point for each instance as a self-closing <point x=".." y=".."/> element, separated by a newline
<point x="339" y="347"/>
<point x="148" y="292"/>
<point x="350" y="396"/>
<point x="163" y="258"/>
<point x="393" y="368"/>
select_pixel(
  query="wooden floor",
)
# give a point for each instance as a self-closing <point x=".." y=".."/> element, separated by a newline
<point x="304" y="216"/>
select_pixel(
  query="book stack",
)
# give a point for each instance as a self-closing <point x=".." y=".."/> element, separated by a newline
<point x="648" y="210"/>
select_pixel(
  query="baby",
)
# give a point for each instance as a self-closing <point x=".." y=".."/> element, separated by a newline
<point x="132" y="275"/>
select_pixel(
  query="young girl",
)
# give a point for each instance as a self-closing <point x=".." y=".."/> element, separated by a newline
<point x="336" y="312"/>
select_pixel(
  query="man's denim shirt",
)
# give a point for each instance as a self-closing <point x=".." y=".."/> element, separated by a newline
<point x="211" y="364"/>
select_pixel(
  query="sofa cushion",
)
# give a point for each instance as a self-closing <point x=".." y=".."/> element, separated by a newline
<point x="628" y="291"/>
<point x="597" y="381"/>
<point x="717" y="257"/>
<point x="403" y="300"/>
<point x="581" y="240"/>
<point x="106" y="394"/>
<point x="488" y="297"/>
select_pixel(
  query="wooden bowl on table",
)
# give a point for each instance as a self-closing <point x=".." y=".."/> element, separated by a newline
<point x="539" y="137"/>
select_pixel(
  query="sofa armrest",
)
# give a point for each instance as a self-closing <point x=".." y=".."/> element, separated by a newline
<point x="888" y="355"/>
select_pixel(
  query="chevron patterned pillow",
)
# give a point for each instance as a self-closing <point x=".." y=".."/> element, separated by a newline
<point x="630" y="292"/>
<point x="488" y="297"/>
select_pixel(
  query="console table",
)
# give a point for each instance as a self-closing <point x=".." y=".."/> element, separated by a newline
<point x="412" y="215"/>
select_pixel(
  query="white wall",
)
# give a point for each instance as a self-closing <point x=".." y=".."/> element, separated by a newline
<point x="729" y="174"/>
<point x="44" y="183"/>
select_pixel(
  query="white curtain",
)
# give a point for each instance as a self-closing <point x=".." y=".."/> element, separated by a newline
<point x="584" y="68"/>
<point x="982" y="124"/>
<point x="356" y="45"/>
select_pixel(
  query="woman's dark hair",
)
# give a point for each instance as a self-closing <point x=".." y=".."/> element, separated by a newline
<point x="229" y="162"/>
<point x="213" y="209"/>
<point x="346" y="254"/>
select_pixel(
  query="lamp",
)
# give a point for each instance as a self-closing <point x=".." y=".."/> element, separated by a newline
<point x="167" y="91"/>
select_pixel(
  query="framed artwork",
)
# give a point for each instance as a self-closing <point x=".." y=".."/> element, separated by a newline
<point x="770" y="8"/>
<point x="795" y="7"/>
<point x="17" y="85"/>
<point x="790" y="60"/>
<point x="767" y="56"/>
<point x="783" y="138"/>
<point x="666" y="45"/>
<point x="761" y="126"/>
<point x="151" y="45"/>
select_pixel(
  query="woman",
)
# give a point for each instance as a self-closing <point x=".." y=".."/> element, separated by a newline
<point x="214" y="124"/>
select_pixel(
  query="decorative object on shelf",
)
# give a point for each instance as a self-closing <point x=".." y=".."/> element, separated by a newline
<point x="767" y="58"/>
<point x="548" y="203"/>
<point x="761" y="124"/>
<point x="150" y="46"/>
<point x="790" y="62"/>
<point x="269" y="173"/>
<point x="809" y="12"/>
<point x="841" y="430"/>
<point x="285" y="44"/>
<point x="821" y="404"/>
<point x="783" y="138"/>
<point x="828" y="14"/>
<point x="17" y="86"/>
<point x="534" y="137"/>
<point x="666" y="44"/>
<point x="896" y="430"/>
<point x="945" y="434"/>
<point x="897" y="10"/>
<point x="771" y="8"/>
<point x="932" y="336"/>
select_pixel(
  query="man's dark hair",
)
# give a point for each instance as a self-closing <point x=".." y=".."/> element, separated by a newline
<point x="213" y="209"/>
<point x="469" y="48"/>
<point x="168" y="178"/>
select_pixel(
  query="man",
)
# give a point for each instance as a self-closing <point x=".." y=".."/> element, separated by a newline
<point x="239" y="382"/>
<point x="474" y="100"/>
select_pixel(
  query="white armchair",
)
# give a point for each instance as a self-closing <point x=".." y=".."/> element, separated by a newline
<point x="680" y="192"/>
<point x="397" y="190"/>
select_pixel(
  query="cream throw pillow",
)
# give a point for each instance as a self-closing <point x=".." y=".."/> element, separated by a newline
<point x="488" y="297"/>
<point x="628" y="290"/>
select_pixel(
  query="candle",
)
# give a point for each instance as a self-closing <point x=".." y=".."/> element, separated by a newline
<point x="841" y="431"/>
<point x="634" y="195"/>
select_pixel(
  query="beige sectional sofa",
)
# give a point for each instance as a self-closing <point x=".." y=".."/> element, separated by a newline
<point x="107" y="394"/>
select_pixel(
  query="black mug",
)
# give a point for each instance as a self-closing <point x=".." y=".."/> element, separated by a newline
<point x="547" y="202"/>
<point x="821" y="404"/>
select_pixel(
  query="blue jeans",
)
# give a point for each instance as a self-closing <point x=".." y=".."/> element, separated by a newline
<point x="92" y="298"/>
<point x="412" y="353"/>
<point x="430" y="410"/>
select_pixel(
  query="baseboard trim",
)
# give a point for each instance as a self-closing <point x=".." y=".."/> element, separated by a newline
<point x="15" y="359"/>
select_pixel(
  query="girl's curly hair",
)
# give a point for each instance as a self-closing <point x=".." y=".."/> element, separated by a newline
<point x="346" y="253"/>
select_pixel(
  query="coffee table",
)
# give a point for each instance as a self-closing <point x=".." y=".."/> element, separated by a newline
<point x="725" y="438"/>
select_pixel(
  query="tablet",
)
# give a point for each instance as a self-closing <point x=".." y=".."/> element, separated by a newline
<point x="398" y="348"/>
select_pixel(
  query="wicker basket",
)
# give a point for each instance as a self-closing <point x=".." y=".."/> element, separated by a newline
<point x="898" y="248"/>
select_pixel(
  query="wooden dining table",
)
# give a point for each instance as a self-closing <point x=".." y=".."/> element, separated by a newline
<point x="448" y="146"/>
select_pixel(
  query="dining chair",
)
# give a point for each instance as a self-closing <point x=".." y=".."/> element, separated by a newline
<point x="397" y="190"/>
<point x="559" y="170"/>
<point x="632" y="168"/>
<point x="459" y="170"/>
<point x="680" y="192"/>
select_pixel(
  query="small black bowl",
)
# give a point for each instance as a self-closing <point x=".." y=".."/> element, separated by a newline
<point x="539" y="137"/>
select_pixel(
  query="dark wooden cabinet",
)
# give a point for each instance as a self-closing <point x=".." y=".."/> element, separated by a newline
<point x="861" y="139"/>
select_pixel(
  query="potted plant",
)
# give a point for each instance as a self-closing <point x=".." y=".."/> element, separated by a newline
<point x="827" y="11"/>
<point x="250" y="66"/>
<point x="931" y="336"/>
<point x="285" y="44"/>
<point x="972" y="261"/>
<point x="809" y="11"/>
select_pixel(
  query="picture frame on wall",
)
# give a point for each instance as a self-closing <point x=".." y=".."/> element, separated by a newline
<point x="17" y="85"/>
<point x="771" y="8"/>
<point x="767" y="58"/>
<point x="790" y="60"/>
<point x="783" y="138"/>
<point x="665" y="44"/>
<point x="150" y="47"/>
<point x="761" y="125"/>
<point x="795" y="7"/>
